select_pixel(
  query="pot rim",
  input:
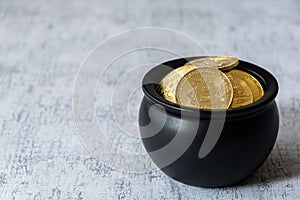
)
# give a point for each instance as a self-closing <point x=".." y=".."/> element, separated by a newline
<point x="154" y="76"/>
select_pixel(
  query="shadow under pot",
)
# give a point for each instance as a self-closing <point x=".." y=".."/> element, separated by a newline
<point x="208" y="148"/>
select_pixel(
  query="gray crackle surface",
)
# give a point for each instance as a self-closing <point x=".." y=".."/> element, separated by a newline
<point x="41" y="47"/>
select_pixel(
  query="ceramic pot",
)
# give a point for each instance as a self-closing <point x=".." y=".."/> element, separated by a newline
<point x="245" y="135"/>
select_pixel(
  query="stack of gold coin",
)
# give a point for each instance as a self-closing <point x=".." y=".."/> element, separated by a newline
<point x="211" y="83"/>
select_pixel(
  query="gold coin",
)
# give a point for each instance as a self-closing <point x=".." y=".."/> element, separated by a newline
<point x="253" y="83"/>
<point x="242" y="94"/>
<point x="223" y="63"/>
<point x="168" y="84"/>
<point x="205" y="88"/>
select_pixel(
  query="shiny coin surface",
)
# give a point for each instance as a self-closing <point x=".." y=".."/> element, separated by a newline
<point x="253" y="83"/>
<point x="205" y="88"/>
<point x="223" y="63"/>
<point x="242" y="94"/>
<point x="168" y="84"/>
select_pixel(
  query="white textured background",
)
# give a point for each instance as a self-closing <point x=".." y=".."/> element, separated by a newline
<point x="41" y="47"/>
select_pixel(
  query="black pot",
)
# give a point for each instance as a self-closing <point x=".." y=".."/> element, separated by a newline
<point x="245" y="135"/>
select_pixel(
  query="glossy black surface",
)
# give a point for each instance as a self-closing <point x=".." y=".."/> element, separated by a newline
<point x="246" y="140"/>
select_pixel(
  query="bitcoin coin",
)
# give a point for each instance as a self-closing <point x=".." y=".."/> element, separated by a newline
<point x="205" y="88"/>
<point x="253" y="83"/>
<point x="168" y="84"/>
<point x="242" y="94"/>
<point x="223" y="63"/>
